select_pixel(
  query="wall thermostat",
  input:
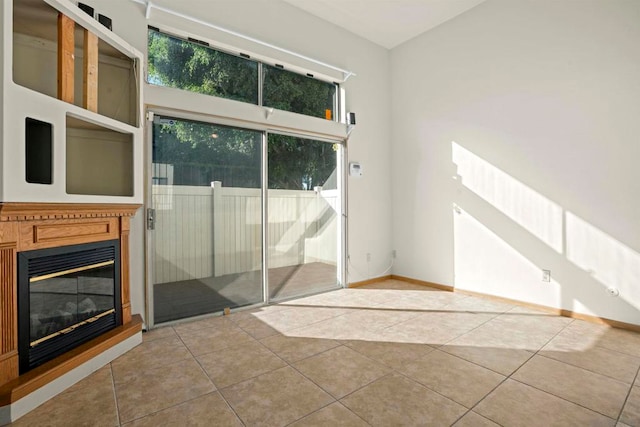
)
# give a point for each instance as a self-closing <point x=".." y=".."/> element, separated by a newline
<point x="355" y="169"/>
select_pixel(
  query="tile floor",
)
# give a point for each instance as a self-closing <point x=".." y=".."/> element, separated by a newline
<point x="384" y="355"/>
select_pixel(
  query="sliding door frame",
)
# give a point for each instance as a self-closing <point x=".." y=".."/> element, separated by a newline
<point x="149" y="241"/>
<point x="341" y="171"/>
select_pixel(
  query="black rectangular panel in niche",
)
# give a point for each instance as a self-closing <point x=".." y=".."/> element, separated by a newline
<point x="39" y="151"/>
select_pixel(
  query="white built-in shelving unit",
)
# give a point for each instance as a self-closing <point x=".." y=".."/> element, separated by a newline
<point x="56" y="151"/>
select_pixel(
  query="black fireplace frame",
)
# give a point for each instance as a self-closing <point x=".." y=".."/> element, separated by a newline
<point x="91" y="254"/>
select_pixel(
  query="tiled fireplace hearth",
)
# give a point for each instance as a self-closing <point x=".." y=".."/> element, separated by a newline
<point x="75" y="293"/>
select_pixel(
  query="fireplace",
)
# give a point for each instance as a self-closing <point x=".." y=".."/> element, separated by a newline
<point x="66" y="296"/>
<point x="65" y="308"/>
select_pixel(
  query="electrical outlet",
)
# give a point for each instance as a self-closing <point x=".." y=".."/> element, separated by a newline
<point x="546" y="275"/>
<point x="368" y="257"/>
<point x="614" y="292"/>
<point x="394" y="254"/>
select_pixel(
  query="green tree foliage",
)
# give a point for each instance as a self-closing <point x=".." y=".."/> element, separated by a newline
<point x="201" y="152"/>
<point x="197" y="68"/>
<point x="300" y="164"/>
<point x="289" y="91"/>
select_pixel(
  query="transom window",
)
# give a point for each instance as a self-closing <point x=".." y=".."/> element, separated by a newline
<point x="195" y="66"/>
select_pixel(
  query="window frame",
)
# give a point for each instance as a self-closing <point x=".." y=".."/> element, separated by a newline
<point x="337" y="101"/>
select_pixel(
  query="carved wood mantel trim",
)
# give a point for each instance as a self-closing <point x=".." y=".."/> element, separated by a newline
<point x="40" y="211"/>
<point x="27" y="226"/>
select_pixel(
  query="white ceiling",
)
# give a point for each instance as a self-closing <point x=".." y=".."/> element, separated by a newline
<point x="386" y="22"/>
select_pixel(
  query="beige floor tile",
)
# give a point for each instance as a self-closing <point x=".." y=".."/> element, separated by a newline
<point x="375" y="319"/>
<point x="202" y="411"/>
<point x="158" y="333"/>
<point x="381" y="296"/>
<point x="591" y="390"/>
<point x="436" y="328"/>
<point x="417" y="301"/>
<point x="394" y="355"/>
<point x="297" y="317"/>
<point x="569" y="348"/>
<point x="627" y="342"/>
<point x="275" y="398"/>
<point x="341" y="371"/>
<point x="329" y="416"/>
<point x="348" y="341"/>
<point x="517" y="404"/>
<point x="521" y="309"/>
<point x="213" y="322"/>
<point x="500" y="350"/>
<point x="163" y="387"/>
<point x="587" y="328"/>
<point x="99" y="378"/>
<point x="604" y="336"/>
<point x="631" y="412"/>
<point x="258" y="329"/>
<point x="88" y="404"/>
<point x="526" y="319"/>
<point x="346" y="298"/>
<point x="205" y="341"/>
<point x="239" y="363"/>
<point x="504" y="361"/>
<point x="247" y="315"/>
<point x="498" y="333"/>
<point x="457" y="379"/>
<point x="292" y="349"/>
<point x="149" y="356"/>
<point x="395" y="400"/>
<point x="472" y="419"/>
<point x="479" y="305"/>
<point x="431" y="335"/>
<point x="336" y="329"/>
<point x="586" y="335"/>
<point x="398" y="285"/>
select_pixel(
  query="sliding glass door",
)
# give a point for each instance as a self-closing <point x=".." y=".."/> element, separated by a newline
<point x="206" y="218"/>
<point x="303" y="221"/>
<point x="209" y="224"/>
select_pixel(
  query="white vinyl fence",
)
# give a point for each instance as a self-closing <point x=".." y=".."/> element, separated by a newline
<point x="213" y="231"/>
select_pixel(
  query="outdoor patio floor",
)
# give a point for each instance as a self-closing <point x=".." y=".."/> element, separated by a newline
<point x="386" y="354"/>
<point x="189" y="298"/>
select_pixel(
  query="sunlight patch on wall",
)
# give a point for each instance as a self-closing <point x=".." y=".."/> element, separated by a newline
<point x="537" y="214"/>
<point x="610" y="262"/>
<point x="486" y="263"/>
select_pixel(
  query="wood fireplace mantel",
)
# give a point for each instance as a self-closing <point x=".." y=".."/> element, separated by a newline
<point x="29" y="226"/>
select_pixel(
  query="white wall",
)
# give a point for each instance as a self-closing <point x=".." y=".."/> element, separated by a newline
<point x="368" y="95"/>
<point x="4" y="69"/>
<point x="533" y="107"/>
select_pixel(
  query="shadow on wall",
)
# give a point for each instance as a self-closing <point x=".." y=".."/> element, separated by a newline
<point x="506" y="233"/>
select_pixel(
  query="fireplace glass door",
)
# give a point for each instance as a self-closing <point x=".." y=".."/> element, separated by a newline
<point x="66" y="296"/>
<point x="64" y="300"/>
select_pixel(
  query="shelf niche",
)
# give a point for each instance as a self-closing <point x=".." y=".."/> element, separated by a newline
<point x="99" y="161"/>
<point x="35" y="55"/>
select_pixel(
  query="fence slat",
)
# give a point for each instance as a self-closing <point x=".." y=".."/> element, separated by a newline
<point x="205" y="231"/>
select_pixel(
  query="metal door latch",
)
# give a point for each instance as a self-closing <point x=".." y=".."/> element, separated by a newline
<point x="151" y="219"/>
